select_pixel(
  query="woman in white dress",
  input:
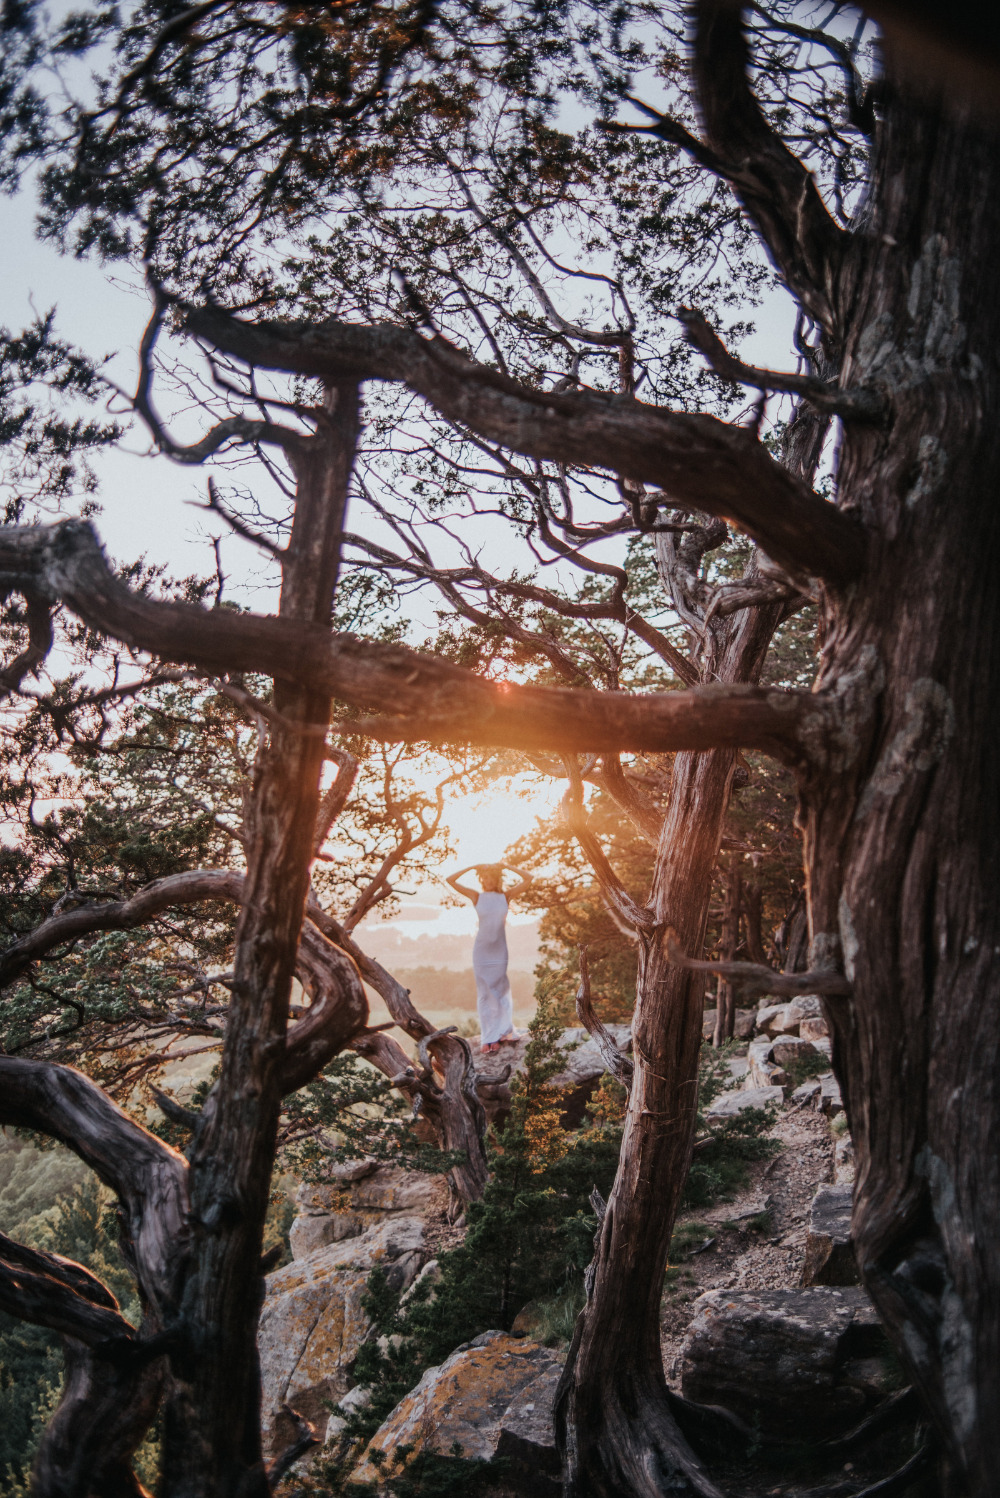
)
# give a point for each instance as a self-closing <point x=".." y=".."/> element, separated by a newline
<point x="489" y="952"/>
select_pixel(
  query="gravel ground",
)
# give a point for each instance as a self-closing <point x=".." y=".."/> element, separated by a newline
<point x="758" y="1238"/>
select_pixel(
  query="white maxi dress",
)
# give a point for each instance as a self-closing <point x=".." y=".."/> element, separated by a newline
<point x="489" y="963"/>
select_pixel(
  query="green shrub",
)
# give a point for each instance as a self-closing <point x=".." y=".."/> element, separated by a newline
<point x="719" y="1168"/>
<point x="82" y="1226"/>
<point x="724" y="1149"/>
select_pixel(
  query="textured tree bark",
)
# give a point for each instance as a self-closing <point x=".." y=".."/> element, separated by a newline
<point x="725" y="1014"/>
<point x="212" y="1414"/>
<point x="903" y="833"/>
<point x="106" y="1408"/>
<point x="753" y="905"/>
<point x="614" y="1427"/>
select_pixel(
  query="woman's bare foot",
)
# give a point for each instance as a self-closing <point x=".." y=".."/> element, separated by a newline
<point x="493" y="1045"/>
<point x="511" y="1038"/>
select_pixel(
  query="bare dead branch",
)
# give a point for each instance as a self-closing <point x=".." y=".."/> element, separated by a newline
<point x="339" y="1009"/>
<point x="396" y="997"/>
<point x="753" y="977"/>
<point x="620" y="1065"/>
<point x="703" y="462"/>
<point x="859" y="404"/>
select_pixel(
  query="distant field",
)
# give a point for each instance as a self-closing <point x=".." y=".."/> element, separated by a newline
<point x="448" y="997"/>
<point x="447" y="988"/>
<point x="441" y="949"/>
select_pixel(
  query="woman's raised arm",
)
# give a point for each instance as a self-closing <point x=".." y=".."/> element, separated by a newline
<point x="463" y="889"/>
<point x="516" y="889"/>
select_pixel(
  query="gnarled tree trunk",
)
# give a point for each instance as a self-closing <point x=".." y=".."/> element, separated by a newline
<point x="903" y="826"/>
<point x="212" y="1443"/>
<point x="613" y="1420"/>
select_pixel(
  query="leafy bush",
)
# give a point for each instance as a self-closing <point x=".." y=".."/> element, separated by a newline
<point x="719" y="1167"/>
<point x="349" y="1111"/>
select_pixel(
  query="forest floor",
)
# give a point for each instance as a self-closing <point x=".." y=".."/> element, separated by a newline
<point x="756" y="1241"/>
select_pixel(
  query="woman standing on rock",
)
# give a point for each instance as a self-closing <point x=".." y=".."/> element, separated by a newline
<point x="489" y="953"/>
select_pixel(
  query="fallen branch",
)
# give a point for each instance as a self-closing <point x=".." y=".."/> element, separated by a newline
<point x="754" y="977"/>
<point x="620" y="1065"/>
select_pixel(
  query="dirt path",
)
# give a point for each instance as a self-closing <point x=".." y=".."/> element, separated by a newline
<point x="758" y="1236"/>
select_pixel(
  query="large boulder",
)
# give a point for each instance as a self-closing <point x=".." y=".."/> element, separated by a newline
<point x="582" y="1070"/>
<point x="786" y="1361"/>
<point x="312" y="1322"/>
<point x="821" y="1093"/>
<point x="789" y="1018"/>
<point x="791" y="1050"/>
<point x="357" y="1196"/>
<point x="762" y="1069"/>
<point x="492" y="1397"/>
<point x="768" y="1019"/>
<point x="729" y="1104"/>
<point x="829" y="1249"/>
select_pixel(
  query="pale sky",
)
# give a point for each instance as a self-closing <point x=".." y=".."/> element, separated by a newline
<point x="147" y="511"/>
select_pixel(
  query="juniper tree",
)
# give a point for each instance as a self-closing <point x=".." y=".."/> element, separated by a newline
<point x="876" y="205"/>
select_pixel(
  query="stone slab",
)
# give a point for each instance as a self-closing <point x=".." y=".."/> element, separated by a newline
<point x="495" y="1389"/>
<point x="728" y="1104"/>
<point x="786" y="1360"/>
<point x="829" y="1256"/>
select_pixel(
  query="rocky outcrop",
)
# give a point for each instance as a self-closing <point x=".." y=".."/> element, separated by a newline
<point x="492" y="1397"/>
<point x="763" y="1070"/>
<point x="789" y="1018"/>
<point x="312" y="1322"/>
<point x="730" y="1103"/>
<point x="843" y="1161"/>
<point x="584" y="1067"/>
<point x="829" y="1256"/>
<point x="821" y="1093"/>
<point x="786" y="1360"/>
<point x="792" y="1050"/>
<point x="358" y="1196"/>
<point x="771" y="1058"/>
